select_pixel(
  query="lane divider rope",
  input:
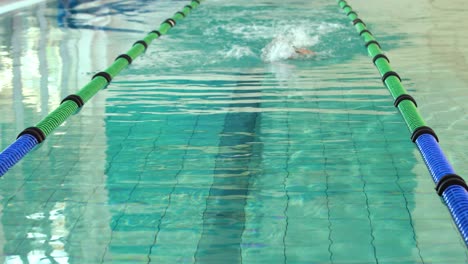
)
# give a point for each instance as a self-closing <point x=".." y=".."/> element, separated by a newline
<point x="450" y="186"/>
<point x="32" y="136"/>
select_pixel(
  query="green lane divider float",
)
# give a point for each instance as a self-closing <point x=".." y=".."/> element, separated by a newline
<point x="450" y="186"/>
<point x="99" y="81"/>
<point x="32" y="136"/>
<point x="405" y="103"/>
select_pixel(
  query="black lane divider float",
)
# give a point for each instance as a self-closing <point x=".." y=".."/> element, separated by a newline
<point x="450" y="186"/>
<point x="32" y="136"/>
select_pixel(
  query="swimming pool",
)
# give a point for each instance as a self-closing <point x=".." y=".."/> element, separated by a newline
<point x="214" y="148"/>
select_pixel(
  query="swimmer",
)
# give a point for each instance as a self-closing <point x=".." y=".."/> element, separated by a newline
<point x="303" y="51"/>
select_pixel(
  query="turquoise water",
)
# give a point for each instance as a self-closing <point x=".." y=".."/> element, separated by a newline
<point x="214" y="147"/>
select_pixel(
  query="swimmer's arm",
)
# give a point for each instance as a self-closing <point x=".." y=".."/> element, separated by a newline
<point x="304" y="51"/>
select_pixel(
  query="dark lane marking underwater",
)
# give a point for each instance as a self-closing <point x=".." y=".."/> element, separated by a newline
<point x="224" y="216"/>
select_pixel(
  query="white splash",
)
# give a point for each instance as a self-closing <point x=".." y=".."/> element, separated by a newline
<point x="280" y="48"/>
<point x="288" y="38"/>
<point x="283" y="45"/>
<point x="238" y="52"/>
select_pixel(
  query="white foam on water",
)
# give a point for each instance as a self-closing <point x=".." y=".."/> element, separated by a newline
<point x="238" y="52"/>
<point x="325" y="28"/>
<point x="283" y="45"/>
<point x="288" y="38"/>
<point x="247" y="39"/>
<point x="280" y="48"/>
<point x="247" y="32"/>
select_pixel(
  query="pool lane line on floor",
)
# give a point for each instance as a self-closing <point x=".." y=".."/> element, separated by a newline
<point x="224" y="216"/>
<point x="450" y="186"/>
<point x="32" y="136"/>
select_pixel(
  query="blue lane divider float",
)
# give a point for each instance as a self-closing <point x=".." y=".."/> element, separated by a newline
<point x="16" y="151"/>
<point x="450" y="186"/>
